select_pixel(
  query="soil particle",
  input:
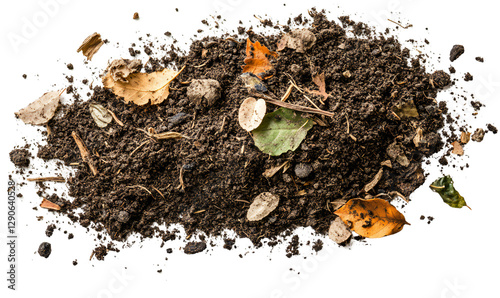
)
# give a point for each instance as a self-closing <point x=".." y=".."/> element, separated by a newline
<point x="452" y="69"/>
<point x="478" y="135"/>
<point x="75" y="262"/>
<point x="70" y="66"/>
<point x="136" y="16"/>
<point x="44" y="249"/>
<point x="20" y="157"/>
<point x="441" y="78"/>
<point x="456" y="52"/>
<point x="50" y="230"/>
<point x="318" y="245"/>
<point x="468" y="77"/>
<point x="480" y="59"/>
<point x="492" y="128"/>
<point x="100" y="252"/>
<point x="293" y="247"/>
<point x="228" y="243"/>
<point x="194" y="247"/>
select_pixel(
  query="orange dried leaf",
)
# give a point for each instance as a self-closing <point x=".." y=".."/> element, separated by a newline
<point x="256" y="61"/>
<point x="373" y="218"/>
<point x="49" y="205"/>
<point x="319" y="80"/>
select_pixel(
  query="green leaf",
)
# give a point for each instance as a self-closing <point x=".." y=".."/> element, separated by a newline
<point x="101" y="116"/>
<point x="281" y="131"/>
<point x="444" y="187"/>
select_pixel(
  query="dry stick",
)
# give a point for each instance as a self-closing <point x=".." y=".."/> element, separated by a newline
<point x="84" y="152"/>
<point x="399" y="24"/>
<point x="158" y="192"/>
<point x="140" y="186"/>
<point x="138" y="147"/>
<point x="291" y="106"/>
<point x="42" y="179"/>
<point x="115" y="118"/>
<point x="181" y="181"/>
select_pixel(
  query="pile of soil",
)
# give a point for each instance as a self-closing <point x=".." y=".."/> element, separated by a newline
<point x="139" y="179"/>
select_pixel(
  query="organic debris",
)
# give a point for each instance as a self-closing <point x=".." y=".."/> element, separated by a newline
<point x="281" y="131"/>
<point x="457" y="148"/>
<point x="41" y="110"/>
<point x="262" y="205"/>
<point x="339" y="232"/>
<point x="444" y="187"/>
<point x="101" y="115"/>
<point x="49" y="205"/>
<point x="91" y="45"/>
<point x="257" y="61"/>
<point x="120" y="69"/>
<point x="373" y="218"/>
<point x="300" y="40"/>
<point x="143" y="88"/>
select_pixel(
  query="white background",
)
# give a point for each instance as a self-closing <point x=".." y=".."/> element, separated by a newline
<point x="454" y="256"/>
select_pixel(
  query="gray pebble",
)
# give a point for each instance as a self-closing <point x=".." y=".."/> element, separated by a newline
<point x="303" y="170"/>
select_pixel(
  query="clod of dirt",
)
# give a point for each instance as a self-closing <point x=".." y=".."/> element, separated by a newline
<point x="396" y="153"/>
<point x="441" y="78"/>
<point x="300" y="40"/>
<point x="136" y="16"/>
<point x="303" y="170"/>
<point x="20" y="157"/>
<point x="204" y="92"/>
<point x="456" y="52"/>
<point x="194" y="247"/>
<point x="478" y="135"/>
<point x="262" y="205"/>
<point x="468" y="77"/>
<point x="123" y="216"/>
<point x="120" y="69"/>
<point x="480" y="59"/>
<point x="492" y="128"/>
<point x="44" y="249"/>
<point x="339" y="231"/>
<point x="50" y="230"/>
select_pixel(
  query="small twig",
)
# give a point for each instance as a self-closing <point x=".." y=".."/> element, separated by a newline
<point x="43" y="179"/>
<point x="92" y="255"/>
<point x="436" y="187"/>
<point x="347" y="119"/>
<point x="199" y="211"/>
<point x="290" y="106"/>
<point x="222" y="126"/>
<point x="115" y="118"/>
<point x="243" y="201"/>
<point x="84" y="152"/>
<point x="181" y="180"/>
<point x="158" y="192"/>
<point x="399" y="24"/>
<point x="232" y="39"/>
<point x="287" y="93"/>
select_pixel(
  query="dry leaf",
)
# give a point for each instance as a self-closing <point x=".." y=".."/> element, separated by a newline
<point x="272" y="171"/>
<point x="41" y="110"/>
<point x="299" y="40"/>
<point x="406" y="109"/>
<point x="319" y="80"/>
<point x="336" y="204"/>
<point x="372" y="218"/>
<point x="143" y="88"/>
<point x="49" y="205"/>
<point x="339" y="231"/>
<point x="100" y="114"/>
<point x="386" y="163"/>
<point x="374" y="181"/>
<point x="256" y="61"/>
<point x="251" y="113"/>
<point x="120" y="69"/>
<point x="457" y="148"/>
<point x="419" y="135"/>
<point x="91" y="45"/>
<point x="465" y="137"/>
<point x="262" y="205"/>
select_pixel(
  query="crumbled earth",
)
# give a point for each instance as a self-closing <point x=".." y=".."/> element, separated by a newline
<point x="20" y="157"/>
<point x="456" y="52"/>
<point x="206" y="181"/>
<point x="44" y="249"/>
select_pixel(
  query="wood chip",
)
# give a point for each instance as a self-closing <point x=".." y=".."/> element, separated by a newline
<point x="44" y="179"/>
<point x="84" y="152"/>
<point x="49" y="205"/>
<point x="418" y="137"/>
<point x="91" y="45"/>
<point x="465" y="137"/>
<point x="272" y="171"/>
<point x="262" y="205"/>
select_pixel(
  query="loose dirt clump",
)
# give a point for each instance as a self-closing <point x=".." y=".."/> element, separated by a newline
<point x="380" y="98"/>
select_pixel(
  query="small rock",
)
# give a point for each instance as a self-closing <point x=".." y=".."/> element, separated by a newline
<point x="456" y="52"/>
<point x="44" y="249"/>
<point x="441" y="79"/>
<point x="480" y="59"/>
<point x="194" y="247"/>
<point x="492" y="128"/>
<point x="189" y="167"/>
<point x="136" y="16"/>
<point x="50" y="230"/>
<point x="70" y="66"/>
<point x="204" y="92"/>
<point x="177" y="119"/>
<point x="339" y="231"/>
<point x="303" y="170"/>
<point x="123" y="216"/>
<point x="252" y="82"/>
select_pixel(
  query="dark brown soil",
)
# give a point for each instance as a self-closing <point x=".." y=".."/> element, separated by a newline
<point x="44" y="249"/>
<point x="137" y="186"/>
<point x="456" y="52"/>
<point x="20" y="157"/>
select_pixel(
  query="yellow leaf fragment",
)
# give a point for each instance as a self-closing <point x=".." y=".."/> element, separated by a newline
<point x="143" y="88"/>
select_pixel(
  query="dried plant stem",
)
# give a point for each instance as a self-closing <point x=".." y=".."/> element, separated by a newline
<point x="43" y="179"/>
<point x="290" y="106"/>
<point x="84" y="152"/>
<point x="115" y="118"/>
